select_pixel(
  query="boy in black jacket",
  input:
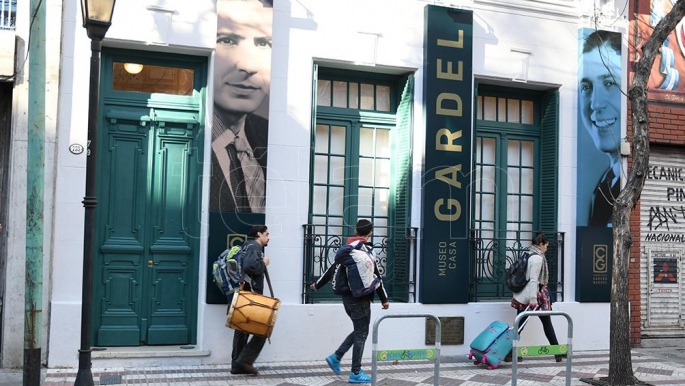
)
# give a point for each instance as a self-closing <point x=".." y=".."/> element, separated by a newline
<point x="357" y="308"/>
<point x="246" y="349"/>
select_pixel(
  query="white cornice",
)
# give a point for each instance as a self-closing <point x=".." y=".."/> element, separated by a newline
<point x="560" y="9"/>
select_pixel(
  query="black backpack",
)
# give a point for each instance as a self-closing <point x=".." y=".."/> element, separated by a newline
<point x="516" y="273"/>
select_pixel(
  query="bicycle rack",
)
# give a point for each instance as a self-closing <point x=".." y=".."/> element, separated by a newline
<point x="374" y="351"/>
<point x="515" y="342"/>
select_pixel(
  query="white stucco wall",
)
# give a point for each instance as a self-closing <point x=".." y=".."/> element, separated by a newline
<point x="305" y="31"/>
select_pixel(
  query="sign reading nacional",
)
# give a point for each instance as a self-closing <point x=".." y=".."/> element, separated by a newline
<point x="665" y="203"/>
<point x="448" y="95"/>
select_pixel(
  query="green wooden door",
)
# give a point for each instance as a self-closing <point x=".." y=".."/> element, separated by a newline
<point x="147" y="227"/>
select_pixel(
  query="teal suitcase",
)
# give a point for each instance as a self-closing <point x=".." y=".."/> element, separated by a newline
<point x="492" y="345"/>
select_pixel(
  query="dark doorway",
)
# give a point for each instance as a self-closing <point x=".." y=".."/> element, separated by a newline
<point x="5" y="135"/>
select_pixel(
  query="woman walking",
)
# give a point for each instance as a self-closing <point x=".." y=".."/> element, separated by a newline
<point x="536" y="294"/>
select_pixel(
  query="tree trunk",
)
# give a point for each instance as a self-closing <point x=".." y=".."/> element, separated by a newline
<point x="620" y="361"/>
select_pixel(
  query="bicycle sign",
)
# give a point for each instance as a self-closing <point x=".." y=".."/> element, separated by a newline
<point x="535" y="351"/>
<point x="405" y="355"/>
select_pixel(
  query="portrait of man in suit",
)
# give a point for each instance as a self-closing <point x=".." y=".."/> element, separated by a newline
<point x="242" y="80"/>
<point x="600" y="115"/>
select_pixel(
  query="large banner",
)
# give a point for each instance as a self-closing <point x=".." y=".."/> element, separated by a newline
<point x="599" y="159"/>
<point x="242" y="80"/>
<point x="448" y="94"/>
<point x="667" y="79"/>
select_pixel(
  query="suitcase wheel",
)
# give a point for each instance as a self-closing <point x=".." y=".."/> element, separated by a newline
<point x="476" y="362"/>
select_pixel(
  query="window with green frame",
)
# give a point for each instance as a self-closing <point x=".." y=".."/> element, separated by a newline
<point x="360" y="168"/>
<point x="515" y="180"/>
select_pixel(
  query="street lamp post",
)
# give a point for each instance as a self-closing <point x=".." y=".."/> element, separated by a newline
<point x="97" y="17"/>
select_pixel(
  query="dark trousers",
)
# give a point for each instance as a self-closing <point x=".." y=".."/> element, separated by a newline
<point x="246" y="349"/>
<point x="359" y="311"/>
<point x="546" y="326"/>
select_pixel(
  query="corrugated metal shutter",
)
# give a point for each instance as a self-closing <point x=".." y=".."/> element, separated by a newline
<point x="662" y="223"/>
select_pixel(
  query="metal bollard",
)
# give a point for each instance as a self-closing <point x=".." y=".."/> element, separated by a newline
<point x="374" y="351"/>
<point x="517" y="337"/>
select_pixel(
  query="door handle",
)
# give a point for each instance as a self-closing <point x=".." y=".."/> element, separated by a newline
<point x="150" y="263"/>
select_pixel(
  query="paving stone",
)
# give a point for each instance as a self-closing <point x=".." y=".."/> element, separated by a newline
<point x="650" y="367"/>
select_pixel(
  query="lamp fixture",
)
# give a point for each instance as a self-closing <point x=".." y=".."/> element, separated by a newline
<point x="133" y="68"/>
<point x="97" y="17"/>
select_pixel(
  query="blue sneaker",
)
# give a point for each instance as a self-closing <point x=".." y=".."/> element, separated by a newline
<point x="359" y="378"/>
<point x="334" y="363"/>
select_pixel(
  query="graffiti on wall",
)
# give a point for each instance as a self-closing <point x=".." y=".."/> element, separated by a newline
<point x="667" y="78"/>
<point x="668" y="211"/>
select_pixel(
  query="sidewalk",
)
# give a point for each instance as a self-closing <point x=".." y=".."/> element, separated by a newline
<point x="654" y="366"/>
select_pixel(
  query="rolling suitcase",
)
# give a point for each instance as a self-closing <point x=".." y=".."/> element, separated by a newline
<point x="493" y="344"/>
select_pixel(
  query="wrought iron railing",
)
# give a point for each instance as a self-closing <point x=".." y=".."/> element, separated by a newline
<point x="8" y="14"/>
<point x="492" y="255"/>
<point x="395" y="250"/>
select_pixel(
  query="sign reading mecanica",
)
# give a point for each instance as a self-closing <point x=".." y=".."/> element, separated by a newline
<point x="448" y="90"/>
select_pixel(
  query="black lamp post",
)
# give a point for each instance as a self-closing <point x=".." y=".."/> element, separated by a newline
<point x="97" y="17"/>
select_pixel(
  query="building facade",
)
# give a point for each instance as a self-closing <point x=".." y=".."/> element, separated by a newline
<point x="457" y="127"/>
<point x="656" y="223"/>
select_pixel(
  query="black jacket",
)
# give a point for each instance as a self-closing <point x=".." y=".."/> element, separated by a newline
<point x="603" y="200"/>
<point x="220" y="196"/>
<point x="253" y="265"/>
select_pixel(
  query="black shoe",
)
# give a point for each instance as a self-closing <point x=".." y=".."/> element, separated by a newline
<point x="559" y="358"/>
<point x="248" y="368"/>
<point x="238" y="369"/>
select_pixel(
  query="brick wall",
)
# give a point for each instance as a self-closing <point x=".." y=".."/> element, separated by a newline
<point x="667" y="125"/>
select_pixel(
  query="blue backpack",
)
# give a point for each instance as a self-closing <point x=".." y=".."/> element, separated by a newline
<point x="227" y="270"/>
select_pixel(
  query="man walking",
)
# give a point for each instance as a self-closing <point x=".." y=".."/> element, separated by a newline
<point x="355" y="277"/>
<point x="254" y="266"/>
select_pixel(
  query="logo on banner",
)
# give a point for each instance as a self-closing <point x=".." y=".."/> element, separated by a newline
<point x="599" y="258"/>
<point x="234" y="239"/>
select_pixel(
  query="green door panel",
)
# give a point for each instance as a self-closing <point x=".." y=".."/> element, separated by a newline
<point x="171" y="245"/>
<point x="147" y="232"/>
<point x="121" y="216"/>
<point x="149" y="216"/>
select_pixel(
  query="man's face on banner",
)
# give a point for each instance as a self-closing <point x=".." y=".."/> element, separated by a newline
<point x="600" y="96"/>
<point x="242" y="70"/>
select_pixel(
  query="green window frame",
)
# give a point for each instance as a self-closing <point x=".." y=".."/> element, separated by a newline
<point x="515" y="180"/>
<point x="360" y="168"/>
